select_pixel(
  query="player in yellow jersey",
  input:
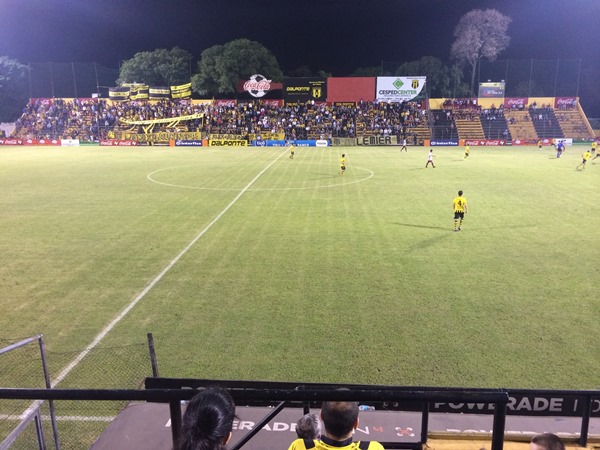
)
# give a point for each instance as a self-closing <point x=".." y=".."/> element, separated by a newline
<point x="343" y="164"/>
<point x="292" y="150"/>
<point x="467" y="149"/>
<point x="584" y="159"/>
<point x="460" y="209"/>
<point x="540" y="143"/>
<point x="594" y="148"/>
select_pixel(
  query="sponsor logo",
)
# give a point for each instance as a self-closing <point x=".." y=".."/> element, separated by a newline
<point x="11" y="142"/>
<point x="260" y="143"/>
<point x="316" y="92"/>
<point x="376" y="140"/>
<point x="322" y="143"/>
<point x="226" y="103"/>
<point x="274" y="103"/>
<point x="516" y="101"/>
<point x="399" y="92"/>
<point x="444" y="143"/>
<point x="297" y="88"/>
<point x="190" y="143"/>
<point x="228" y="143"/>
<point x="486" y="142"/>
<point x="118" y="143"/>
<point x="257" y="85"/>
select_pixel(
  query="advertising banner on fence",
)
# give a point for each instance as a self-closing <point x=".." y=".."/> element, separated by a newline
<point x="69" y="142"/>
<point x="399" y="89"/>
<point x="11" y="141"/>
<point x="302" y="90"/>
<point x="118" y="143"/>
<point x="485" y="142"/>
<point x="446" y="143"/>
<point x="350" y="89"/>
<point x="515" y="102"/>
<point x="227" y="143"/>
<point x="526" y="405"/>
<point x="565" y="102"/>
<point x="343" y="142"/>
<point x="189" y="143"/>
<point x="284" y="143"/>
<point x="377" y="140"/>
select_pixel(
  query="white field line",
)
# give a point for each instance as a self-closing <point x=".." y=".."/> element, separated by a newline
<point x="62" y="375"/>
<point x="63" y="418"/>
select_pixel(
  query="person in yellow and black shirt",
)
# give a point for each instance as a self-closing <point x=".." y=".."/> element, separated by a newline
<point x="340" y="419"/>
<point x="467" y="149"/>
<point x="594" y="148"/>
<point x="460" y="209"/>
<point x="292" y="149"/>
<point x="343" y="164"/>
<point x="584" y="159"/>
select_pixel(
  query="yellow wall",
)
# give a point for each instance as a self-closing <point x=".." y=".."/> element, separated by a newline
<point x="485" y="103"/>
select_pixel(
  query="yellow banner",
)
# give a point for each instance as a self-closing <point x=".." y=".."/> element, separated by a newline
<point x="181" y="91"/>
<point x="163" y="136"/>
<point x="168" y="120"/>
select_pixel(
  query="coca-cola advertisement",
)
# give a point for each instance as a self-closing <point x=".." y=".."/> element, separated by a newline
<point x="272" y="103"/>
<point x="225" y="103"/>
<point x="11" y="141"/>
<point x="259" y="86"/>
<point x="515" y="102"/>
<point x="565" y="102"/>
<point x="118" y="143"/>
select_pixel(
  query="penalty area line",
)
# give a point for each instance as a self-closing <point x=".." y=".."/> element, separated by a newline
<point x="62" y="375"/>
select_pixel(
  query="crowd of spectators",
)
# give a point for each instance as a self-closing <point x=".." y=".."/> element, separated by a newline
<point x="93" y="119"/>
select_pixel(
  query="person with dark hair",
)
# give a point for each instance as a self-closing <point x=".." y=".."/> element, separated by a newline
<point x="546" y="441"/>
<point x="207" y="422"/>
<point x="340" y="419"/>
<point x="308" y="426"/>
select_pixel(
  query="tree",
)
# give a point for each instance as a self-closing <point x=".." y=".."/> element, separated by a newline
<point x="372" y="71"/>
<point x="222" y="66"/>
<point x="161" y="67"/>
<point x="480" y="34"/>
<point x="13" y="89"/>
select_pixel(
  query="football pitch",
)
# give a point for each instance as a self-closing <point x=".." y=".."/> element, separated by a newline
<point x="246" y="264"/>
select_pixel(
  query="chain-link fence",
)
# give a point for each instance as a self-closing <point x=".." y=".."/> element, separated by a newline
<point x="79" y="423"/>
<point x="70" y="80"/>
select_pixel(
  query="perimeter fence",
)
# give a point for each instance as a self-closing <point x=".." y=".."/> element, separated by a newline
<point x="70" y="80"/>
<point x="522" y="77"/>
<point x="78" y="423"/>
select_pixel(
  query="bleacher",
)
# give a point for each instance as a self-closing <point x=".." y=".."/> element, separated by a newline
<point x="573" y="124"/>
<point x="545" y="123"/>
<point x="520" y="125"/>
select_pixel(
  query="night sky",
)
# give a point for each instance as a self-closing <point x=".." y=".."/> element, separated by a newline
<point x="337" y="36"/>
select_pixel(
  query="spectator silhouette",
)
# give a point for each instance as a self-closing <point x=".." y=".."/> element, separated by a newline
<point x="340" y="419"/>
<point x="207" y="422"/>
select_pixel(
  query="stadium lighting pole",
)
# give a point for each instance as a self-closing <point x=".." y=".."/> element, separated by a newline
<point x="530" y="78"/>
<point x="97" y="82"/>
<point x="51" y="81"/>
<point x="74" y="79"/>
<point x="29" y="72"/>
<point x="578" y="76"/>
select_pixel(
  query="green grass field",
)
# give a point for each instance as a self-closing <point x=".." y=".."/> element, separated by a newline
<point x="260" y="267"/>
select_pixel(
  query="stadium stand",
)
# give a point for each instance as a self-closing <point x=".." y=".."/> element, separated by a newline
<point x="92" y="119"/>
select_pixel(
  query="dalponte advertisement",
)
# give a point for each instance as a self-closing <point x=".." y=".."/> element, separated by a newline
<point x="399" y="89"/>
